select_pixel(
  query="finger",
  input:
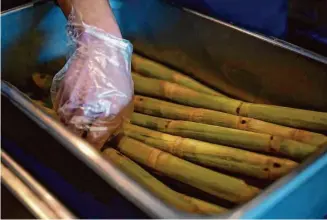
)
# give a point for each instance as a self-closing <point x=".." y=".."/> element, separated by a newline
<point x="79" y="123"/>
<point x="103" y="129"/>
<point x="63" y="104"/>
<point x="71" y="101"/>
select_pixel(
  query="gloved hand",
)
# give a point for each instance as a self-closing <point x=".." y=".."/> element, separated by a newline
<point x="93" y="92"/>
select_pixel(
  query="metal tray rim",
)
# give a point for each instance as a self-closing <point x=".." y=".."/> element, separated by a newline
<point x="158" y="209"/>
<point x="272" y="40"/>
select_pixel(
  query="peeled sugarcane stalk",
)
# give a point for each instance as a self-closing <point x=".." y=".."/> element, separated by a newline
<point x="153" y="69"/>
<point x="178" y="200"/>
<point x="212" y="155"/>
<point x="47" y="110"/>
<point x="156" y="107"/>
<point x="217" y="184"/>
<point x="227" y="136"/>
<point x="276" y="114"/>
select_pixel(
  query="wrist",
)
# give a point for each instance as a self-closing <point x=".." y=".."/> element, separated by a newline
<point x="97" y="14"/>
<point x="95" y="36"/>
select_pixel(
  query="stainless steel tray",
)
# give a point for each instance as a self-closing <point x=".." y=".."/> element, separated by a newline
<point x="240" y="63"/>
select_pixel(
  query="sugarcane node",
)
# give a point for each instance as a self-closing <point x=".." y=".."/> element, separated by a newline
<point x="193" y="114"/>
<point x="168" y="89"/>
<point x="238" y="109"/>
<point x="243" y="109"/>
<point x="176" y="147"/>
<point x="274" y="144"/>
<point x="266" y="169"/>
<point x="153" y="158"/>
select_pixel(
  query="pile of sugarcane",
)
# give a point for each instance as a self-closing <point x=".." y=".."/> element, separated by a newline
<point x="195" y="135"/>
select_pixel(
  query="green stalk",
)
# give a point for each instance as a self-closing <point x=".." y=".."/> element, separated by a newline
<point x="153" y="69"/>
<point x="145" y="179"/>
<point x="212" y="155"/>
<point x="226" y="136"/>
<point x="217" y="184"/>
<point x="298" y="118"/>
<point x="182" y="95"/>
<point x="276" y="114"/>
<point x="156" y="107"/>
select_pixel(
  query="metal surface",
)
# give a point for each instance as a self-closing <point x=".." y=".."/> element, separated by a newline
<point x="57" y="208"/>
<point x="81" y="149"/>
<point x="28" y="198"/>
<point x="240" y="63"/>
<point x="273" y="41"/>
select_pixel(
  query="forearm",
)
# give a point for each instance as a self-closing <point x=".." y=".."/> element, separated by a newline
<point x="93" y="12"/>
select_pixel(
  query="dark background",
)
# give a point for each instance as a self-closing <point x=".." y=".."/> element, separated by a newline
<point x="307" y="22"/>
<point x="7" y="4"/>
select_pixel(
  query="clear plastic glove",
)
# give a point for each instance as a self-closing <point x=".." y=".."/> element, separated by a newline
<point x="93" y="92"/>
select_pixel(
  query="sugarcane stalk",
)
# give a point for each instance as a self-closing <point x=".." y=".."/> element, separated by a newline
<point x="156" y="70"/>
<point x="156" y="107"/>
<point x="212" y="155"/>
<point x="281" y="115"/>
<point x="43" y="81"/>
<point x="287" y="116"/>
<point x="217" y="184"/>
<point x="145" y="179"/>
<point x="47" y="110"/>
<point x="226" y="136"/>
<point x="182" y="95"/>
